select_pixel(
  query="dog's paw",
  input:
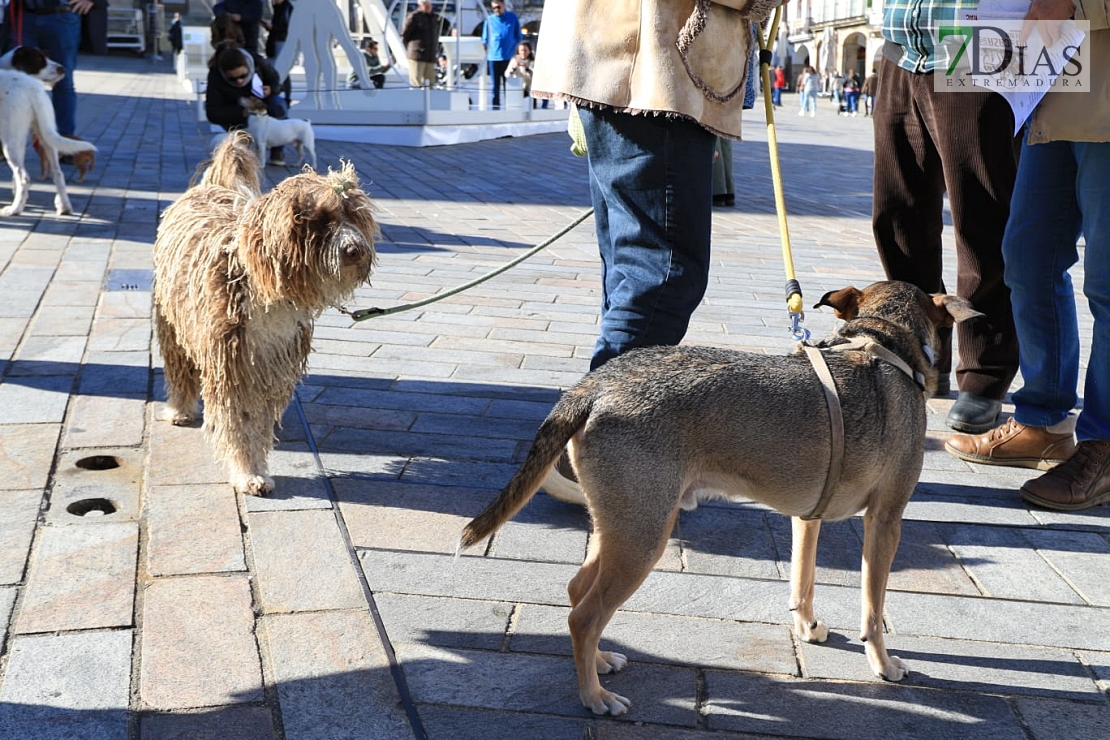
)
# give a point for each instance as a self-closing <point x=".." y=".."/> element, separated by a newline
<point x="893" y="669"/>
<point x="179" y="417"/>
<point x="253" y="485"/>
<point x="816" y="631"/>
<point x="606" y="702"/>
<point x="608" y="662"/>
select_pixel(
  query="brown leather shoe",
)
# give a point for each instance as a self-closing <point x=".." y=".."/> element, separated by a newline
<point x="1081" y="482"/>
<point x="1015" y="445"/>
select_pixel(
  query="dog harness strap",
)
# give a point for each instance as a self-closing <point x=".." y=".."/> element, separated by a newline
<point x="836" y="423"/>
<point x="875" y="349"/>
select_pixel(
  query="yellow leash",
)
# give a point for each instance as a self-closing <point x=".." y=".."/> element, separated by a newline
<point x="793" y="288"/>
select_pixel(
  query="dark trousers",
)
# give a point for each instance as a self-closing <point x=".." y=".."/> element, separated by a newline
<point x="928" y="142"/>
<point x="497" y="73"/>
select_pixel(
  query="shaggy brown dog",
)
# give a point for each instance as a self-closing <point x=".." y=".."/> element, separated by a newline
<point x="239" y="279"/>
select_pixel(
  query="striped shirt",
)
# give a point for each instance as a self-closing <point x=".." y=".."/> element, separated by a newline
<point x="912" y="25"/>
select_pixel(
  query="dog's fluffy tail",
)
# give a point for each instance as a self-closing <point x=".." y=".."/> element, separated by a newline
<point x="234" y="166"/>
<point x="568" y="416"/>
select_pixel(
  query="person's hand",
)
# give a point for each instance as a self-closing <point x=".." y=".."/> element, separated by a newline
<point x="1045" y="16"/>
<point x="80" y="7"/>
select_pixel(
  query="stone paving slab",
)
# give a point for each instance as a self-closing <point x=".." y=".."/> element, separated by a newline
<point x="302" y="562"/>
<point x="192" y="529"/>
<point x="80" y="577"/>
<point x="227" y="723"/>
<point x="18" y="515"/>
<point x="67" y="686"/>
<point x="791" y="708"/>
<point x="960" y="665"/>
<point x="198" y="646"/>
<point x="333" y="677"/>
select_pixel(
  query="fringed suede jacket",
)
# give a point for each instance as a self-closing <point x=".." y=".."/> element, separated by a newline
<point x="673" y="57"/>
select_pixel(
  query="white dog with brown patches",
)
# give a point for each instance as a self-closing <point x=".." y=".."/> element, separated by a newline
<point x="26" y="112"/>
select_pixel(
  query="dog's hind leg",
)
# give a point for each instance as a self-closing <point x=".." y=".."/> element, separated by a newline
<point x="62" y="206"/>
<point x="182" y="378"/>
<point x="620" y="558"/>
<point x="882" y="529"/>
<point x="803" y="567"/>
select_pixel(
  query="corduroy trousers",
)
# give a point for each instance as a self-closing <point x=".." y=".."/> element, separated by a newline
<point x="927" y="143"/>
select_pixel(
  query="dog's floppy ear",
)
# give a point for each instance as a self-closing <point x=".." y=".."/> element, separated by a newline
<point x="845" y="302"/>
<point x="949" y="309"/>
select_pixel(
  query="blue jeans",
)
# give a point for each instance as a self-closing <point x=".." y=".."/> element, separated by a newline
<point x="58" y="35"/>
<point x="776" y="96"/>
<point x="1062" y="191"/>
<point x="651" y="184"/>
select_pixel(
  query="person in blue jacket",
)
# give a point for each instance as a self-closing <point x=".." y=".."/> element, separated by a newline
<point x="500" y="36"/>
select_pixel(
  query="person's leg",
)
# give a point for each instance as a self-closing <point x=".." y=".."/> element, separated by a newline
<point x="59" y="35"/>
<point x="651" y="178"/>
<point x="973" y="133"/>
<point x="726" y="165"/>
<point x="491" y="67"/>
<point x="1093" y="187"/>
<point x="1083" y="480"/>
<point x="1039" y="247"/>
<point x="906" y="215"/>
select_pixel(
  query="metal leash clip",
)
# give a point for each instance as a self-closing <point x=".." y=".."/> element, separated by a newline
<point x="800" y="332"/>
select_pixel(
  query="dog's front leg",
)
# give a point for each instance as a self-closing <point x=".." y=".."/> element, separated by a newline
<point x="21" y="186"/>
<point x="882" y="530"/>
<point x="803" y="567"/>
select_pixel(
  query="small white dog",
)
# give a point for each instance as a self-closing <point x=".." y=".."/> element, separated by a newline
<point x="26" y="111"/>
<point x="269" y="132"/>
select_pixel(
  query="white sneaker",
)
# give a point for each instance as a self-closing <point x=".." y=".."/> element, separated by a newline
<point x="813" y="115"/>
<point x="801" y="113"/>
<point x="565" y="489"/>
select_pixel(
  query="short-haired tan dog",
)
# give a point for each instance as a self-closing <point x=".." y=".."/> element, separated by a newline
<point x="650" y="430"/>
<point x="239" y="279"/>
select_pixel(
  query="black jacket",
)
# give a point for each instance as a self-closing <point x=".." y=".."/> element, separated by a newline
<point x="221" y="99"/>
<point x="421" y="36"/>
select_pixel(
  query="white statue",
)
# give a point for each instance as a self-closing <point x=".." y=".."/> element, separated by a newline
<point x="312" y="27"/>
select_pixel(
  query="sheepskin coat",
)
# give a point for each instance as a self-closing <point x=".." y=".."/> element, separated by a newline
<point x="675" y="57"/>
<point x="1074" y="116"/>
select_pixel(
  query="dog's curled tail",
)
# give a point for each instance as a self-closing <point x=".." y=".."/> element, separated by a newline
<point x="564" y="421"/>
<point x="234" y="166"/>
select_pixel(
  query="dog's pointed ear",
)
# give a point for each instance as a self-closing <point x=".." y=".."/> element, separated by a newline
<point x="949" y="309"/>
<point x="844" y="302"/>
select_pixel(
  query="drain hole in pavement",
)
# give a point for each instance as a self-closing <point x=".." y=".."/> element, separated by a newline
<point x="98" y="462"/>
<point x="92" y="507"/>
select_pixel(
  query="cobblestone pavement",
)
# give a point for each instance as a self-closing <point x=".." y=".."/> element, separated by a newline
<point x="336" y="608"/>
